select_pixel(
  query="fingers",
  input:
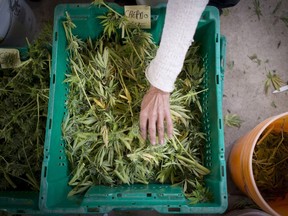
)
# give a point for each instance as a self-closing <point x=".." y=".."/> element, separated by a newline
<point x="160" y="128"/>
<point x="152" y="129"/>
<point x="151" y="123"/>
<point x="143" y="125"/>
<point x="169" y="125"/>
<point x="148" y="121"/>
<point x="144" y="114"/>
<point x="156" y="119"/>
<point x="155" y="110"/>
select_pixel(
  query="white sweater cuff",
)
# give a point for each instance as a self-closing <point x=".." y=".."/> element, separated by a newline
<point x="182" y="17"/>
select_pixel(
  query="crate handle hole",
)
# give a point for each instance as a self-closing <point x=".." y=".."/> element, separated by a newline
<point x="56" y="36"/>
<point x="220" y="124"/>
<point x="50" y="123"/>
<point x="53" y="79"/>
<point x="217" y="79"/>
<point x="149" y="194"/>
<point x="173" y="209"/>
<point x="45" y="172"/>
<point x="93" y="210"/>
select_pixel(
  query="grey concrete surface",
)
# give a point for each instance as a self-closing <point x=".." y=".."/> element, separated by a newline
<point x="266" y="38"/>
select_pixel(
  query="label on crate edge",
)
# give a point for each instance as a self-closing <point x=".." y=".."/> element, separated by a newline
<point x="140" y="14"/>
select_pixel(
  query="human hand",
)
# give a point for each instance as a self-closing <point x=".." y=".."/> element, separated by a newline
<point x="155" y="109"/>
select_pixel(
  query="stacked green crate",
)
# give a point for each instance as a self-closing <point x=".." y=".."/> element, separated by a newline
<point x="24" y="105"/>
<point x="24" y="202"/>
<point x="20" y="201"/>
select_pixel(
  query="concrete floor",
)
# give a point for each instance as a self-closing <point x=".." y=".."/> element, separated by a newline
<point x="266" y="38"/>
<point x="244" y="79"/>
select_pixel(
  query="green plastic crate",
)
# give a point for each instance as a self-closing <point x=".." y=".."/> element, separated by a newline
<point x="160" y="197"/>
<point x="20" y="202"/>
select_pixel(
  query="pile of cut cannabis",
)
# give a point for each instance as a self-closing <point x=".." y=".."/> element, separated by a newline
<point x="24" y="93"/>
<point x="101" y="127"/>
<point x="270" y="162"/>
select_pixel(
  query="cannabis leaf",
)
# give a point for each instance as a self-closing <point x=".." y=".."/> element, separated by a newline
<point x="232" y="120"/>
<point x="274" y="80"/>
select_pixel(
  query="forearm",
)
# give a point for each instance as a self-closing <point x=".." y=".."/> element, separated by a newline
<point x="181" y="21"/>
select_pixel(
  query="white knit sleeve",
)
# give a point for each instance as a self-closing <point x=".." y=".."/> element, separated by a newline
<point x="181" y="21"/>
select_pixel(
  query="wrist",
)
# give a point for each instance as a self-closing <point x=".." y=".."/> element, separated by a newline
<point x="156" y="90"/>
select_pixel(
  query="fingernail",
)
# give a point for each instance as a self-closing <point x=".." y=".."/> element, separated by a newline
<point x="161" y="142"/>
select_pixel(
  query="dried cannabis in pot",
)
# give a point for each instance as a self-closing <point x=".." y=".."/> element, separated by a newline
<point x="270" y="161"/>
